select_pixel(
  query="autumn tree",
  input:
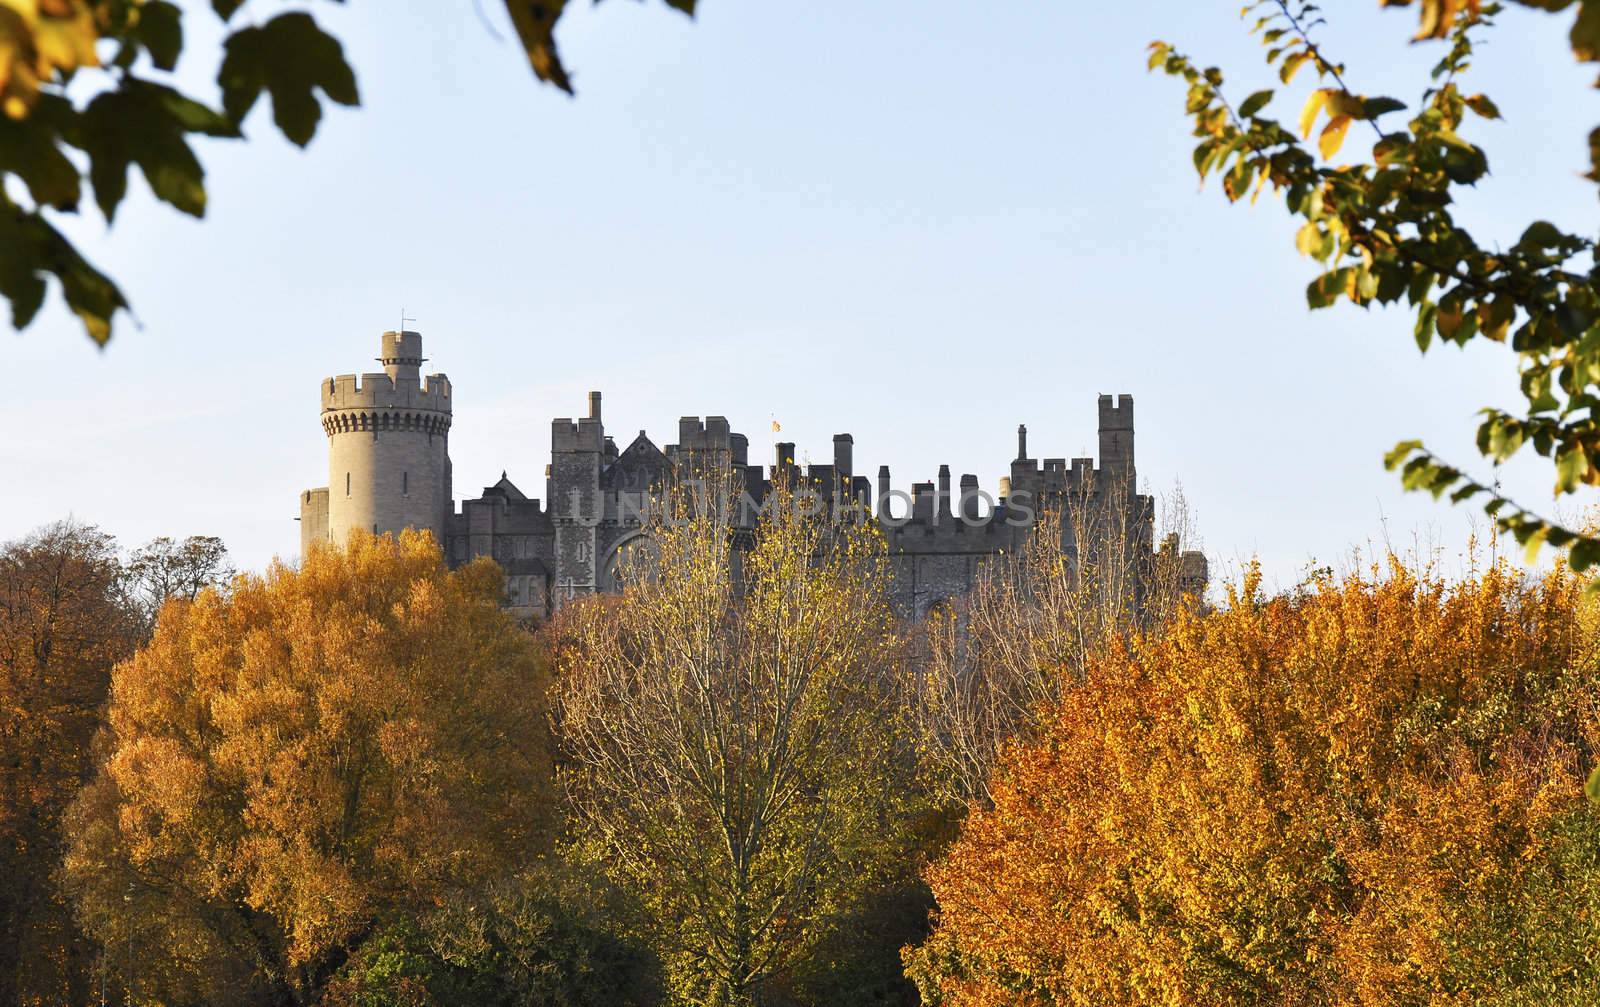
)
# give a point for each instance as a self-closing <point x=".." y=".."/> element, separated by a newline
<point x="1378" y="223"/>
<point x="1369" y="792"/>
<point x="64" y="623"/>
<point x="989" y="663"/>
<point x="86" y="93"/>
<point x="292" y="765"/>
<point x="729" y="730"/>
<point x="165" y="568"/>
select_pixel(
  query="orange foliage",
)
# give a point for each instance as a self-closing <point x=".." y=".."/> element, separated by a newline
<point x="293" y="763"/>
<point x="63" y="624"/>
<point x="1370" y="792"/>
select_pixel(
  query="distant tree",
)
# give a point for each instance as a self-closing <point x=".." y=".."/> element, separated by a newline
<point x="85" y="95"/>
<point x="1366" y="793"/>
<point x="165" y="568"/>
<point x="990" y="663"/>
<point x="1381" y="229"/>
<point x="728" y="724"/>
<point x="63" y="624"/>
<point x="295" y="765"/>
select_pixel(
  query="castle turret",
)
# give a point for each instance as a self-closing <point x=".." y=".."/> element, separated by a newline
<point x="388" y="457"/>
<point x="577" y="449"/>
<point x="1116" y="439"/>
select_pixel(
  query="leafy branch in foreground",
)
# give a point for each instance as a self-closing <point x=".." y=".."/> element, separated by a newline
<point x="83" y="99"/>
<point x="1382" y="231"/>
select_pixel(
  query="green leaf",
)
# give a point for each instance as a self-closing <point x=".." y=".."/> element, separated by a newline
<point x="31" y="249"/>
<point x="1505" y="438"/>
<point x="1591" y="789"/>
<point x="1481" y="104"/>
<point x="1255" y="103"/>
<point x="1585" y="556"/>
<point x="1572" y="465"/>
<point x="1540" y="235"/>
<point x="290" y="58"/>
<point x="30" y="150"/>
<point x="1371" y="108"/>
<point x="147" y="124"/>
<point x="1399" y="453"/>
<point x="159" y="29"/>
<point x="1328" y="288"/>
<point x="1426" y="319"/>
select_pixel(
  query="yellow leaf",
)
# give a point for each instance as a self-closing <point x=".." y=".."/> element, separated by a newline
<point x="1333" y="136"/>
<point x="67" y="43"/>
<point x="1308" y="115"/>
<point x="1343" y="103"/>
<point x="1308" y="240"/>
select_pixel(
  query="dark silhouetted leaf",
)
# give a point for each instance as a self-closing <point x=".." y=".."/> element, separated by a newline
<point x="290" y="58"/>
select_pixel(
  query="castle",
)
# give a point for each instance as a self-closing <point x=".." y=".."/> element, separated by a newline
<point x="389" y="468"/>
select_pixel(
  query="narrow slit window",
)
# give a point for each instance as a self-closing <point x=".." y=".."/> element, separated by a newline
<point x="347" y="484"/>
<point x="405" y="484"/>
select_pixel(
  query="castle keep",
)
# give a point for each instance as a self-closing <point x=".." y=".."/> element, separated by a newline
<point x="389" y="468"/>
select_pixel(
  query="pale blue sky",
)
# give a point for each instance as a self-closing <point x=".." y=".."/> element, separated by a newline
<point x="920" y="222"/>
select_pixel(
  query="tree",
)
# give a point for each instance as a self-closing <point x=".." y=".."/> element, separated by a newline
<point x="728" y="726"/>
<point x="83" y="97"/>
<point x="549" y="936"/>
<point x="1381" y="230"/>
<point x="63" y="624"/>
<point x="292" y="766"/>
<point x="990" y="663"/>
<point x="164" y="568"/>
<point x="1370" y="792"/>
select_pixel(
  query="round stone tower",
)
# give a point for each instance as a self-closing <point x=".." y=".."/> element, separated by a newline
<point x="388" y="434"/>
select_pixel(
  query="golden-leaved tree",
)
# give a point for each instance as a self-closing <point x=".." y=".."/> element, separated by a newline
<point x="64" y="622"/>
<point x="1367" y="793"/>
<point x="291" y="765"/>
<point x="730" y="725"/>
<point x="990" y="662"/>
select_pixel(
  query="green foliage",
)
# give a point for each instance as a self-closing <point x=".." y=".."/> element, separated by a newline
<point x="255" y="63"/>
<point x="67" y="117"/>
<point x="1382" y="231"/>
<point x="549" y="937"/>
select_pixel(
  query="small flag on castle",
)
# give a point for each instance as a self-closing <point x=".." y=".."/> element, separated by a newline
<point x="776" y="426"/>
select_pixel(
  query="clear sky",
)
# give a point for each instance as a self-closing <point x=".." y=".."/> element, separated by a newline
<point x="920" y="221"/>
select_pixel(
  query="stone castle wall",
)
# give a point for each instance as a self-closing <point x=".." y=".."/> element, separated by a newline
<point x="389" y="468"/>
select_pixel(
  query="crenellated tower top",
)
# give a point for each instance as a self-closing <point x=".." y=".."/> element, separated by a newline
<point x="397" y="398"/>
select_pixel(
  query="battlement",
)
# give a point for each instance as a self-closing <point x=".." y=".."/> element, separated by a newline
<point x="379" y="391"/>
<point x="1116" y="438"/>
<point x="711" y="434"/>
<point x="1116" y="414"/>
<point x="941" y="534"/>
